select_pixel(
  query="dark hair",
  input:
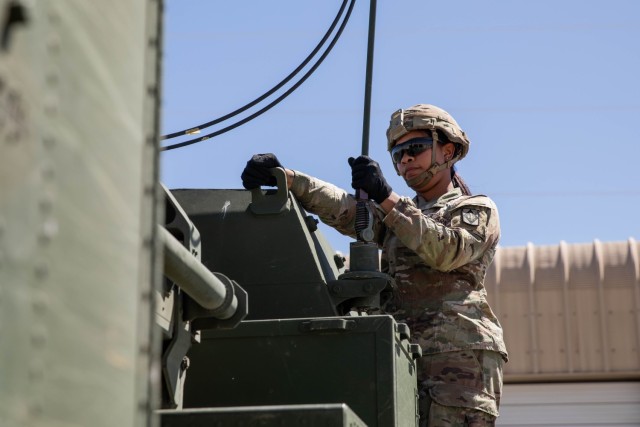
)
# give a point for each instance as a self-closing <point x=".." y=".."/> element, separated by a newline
<point x="457" y="181"/>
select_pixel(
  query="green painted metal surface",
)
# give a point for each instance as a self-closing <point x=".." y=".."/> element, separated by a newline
<point x="364" y="362"/>
<point x="318" y="415"/>
<point x="274" y="257"/>
<point x="78" y="174"/>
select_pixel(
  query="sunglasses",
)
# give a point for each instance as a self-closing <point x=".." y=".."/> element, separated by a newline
<point x="413" y="147"/>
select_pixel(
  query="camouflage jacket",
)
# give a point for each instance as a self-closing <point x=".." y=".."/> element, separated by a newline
<point x="437" y="252"/>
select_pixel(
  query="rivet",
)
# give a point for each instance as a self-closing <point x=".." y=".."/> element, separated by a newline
<point x="52" y="79"/>
<point x="12" y="137"/>
<point x="46" y="204"/>
<point x="53" y="44"/>
<point x="53" y="16"/>
<point x="39" y="304"/>
<point x="38" y="339"/>
<point x="49" y="230"/>
<point x="44" y="239"/>
<point x="36" y="372"/>
<point x="48" y="174"/>
<point x="51" y="107"/>
<point x="41" y="270"/>
<point x="35" y="409"/>
<point x="49" y="141"/>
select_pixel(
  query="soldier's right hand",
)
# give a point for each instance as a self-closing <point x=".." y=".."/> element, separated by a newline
<point x="257" y="173"/>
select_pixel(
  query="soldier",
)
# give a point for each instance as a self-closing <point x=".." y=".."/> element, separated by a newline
<point x="437" y="246"/>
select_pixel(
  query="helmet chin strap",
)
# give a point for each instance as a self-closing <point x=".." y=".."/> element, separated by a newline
<point x="419" y="181"/>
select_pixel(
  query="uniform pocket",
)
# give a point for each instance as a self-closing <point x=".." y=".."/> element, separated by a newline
<point x="463" y="379"/>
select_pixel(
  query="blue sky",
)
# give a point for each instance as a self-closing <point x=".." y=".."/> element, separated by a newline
<point x="547" y="91"/>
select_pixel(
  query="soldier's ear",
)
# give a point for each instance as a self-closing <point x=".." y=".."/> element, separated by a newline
<point x="448" y="150"/>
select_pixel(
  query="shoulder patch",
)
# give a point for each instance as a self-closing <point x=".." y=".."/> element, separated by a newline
<point x="470" y="216"/>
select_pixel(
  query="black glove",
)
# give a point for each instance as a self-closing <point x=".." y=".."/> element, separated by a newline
<point x="367" y="176"/>
<point x="256" y="173"/>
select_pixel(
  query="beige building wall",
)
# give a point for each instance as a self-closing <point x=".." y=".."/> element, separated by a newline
<point x="569" y="311"/>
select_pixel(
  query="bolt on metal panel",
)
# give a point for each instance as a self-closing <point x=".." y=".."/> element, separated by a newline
<point x="78" y="173"/>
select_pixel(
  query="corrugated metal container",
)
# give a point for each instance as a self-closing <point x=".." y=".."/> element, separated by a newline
<point x="569" y="312"/>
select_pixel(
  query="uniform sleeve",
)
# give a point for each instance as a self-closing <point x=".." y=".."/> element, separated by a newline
<point x="333" y="205"/>
<point x="473" y="229"/>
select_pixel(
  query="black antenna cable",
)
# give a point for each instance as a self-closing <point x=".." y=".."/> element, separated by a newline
<point x="277" y="100"/>
<point x="270" y="91"/>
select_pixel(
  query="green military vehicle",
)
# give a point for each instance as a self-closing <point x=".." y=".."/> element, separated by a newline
<point x="127" y="304"/>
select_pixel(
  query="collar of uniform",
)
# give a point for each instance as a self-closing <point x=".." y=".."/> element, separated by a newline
<point x="440" y="201"/>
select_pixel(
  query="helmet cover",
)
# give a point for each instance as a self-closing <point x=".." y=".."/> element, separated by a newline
<point x="427" y="117"/>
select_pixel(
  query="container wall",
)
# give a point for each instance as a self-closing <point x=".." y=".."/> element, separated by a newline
<point x="569" y="311"/>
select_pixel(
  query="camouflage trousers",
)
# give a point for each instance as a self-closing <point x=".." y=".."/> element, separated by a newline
<point x="460" y="388"/>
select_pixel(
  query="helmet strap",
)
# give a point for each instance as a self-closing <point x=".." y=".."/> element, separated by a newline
<point x="434" y="137"/>
<point x="419" y="181"/>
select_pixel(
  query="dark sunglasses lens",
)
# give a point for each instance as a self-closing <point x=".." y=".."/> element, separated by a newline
<point x="417" y="148"/>
<point x="412" y="148"/>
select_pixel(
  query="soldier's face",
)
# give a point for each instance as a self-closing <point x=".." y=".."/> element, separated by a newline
<point x="410" y="166"/>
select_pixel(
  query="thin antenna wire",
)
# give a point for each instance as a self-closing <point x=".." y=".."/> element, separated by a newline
<point x="366" y="119"/>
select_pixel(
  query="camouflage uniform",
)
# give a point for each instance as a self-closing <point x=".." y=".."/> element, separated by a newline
<point x="438" y="253"/>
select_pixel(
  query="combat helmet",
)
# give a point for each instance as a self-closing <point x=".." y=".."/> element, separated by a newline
<point x="432" y="119"/>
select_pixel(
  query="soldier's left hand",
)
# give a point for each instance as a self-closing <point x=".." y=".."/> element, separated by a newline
<point x="367" y="176"/>
<point x="257" y="171"/>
